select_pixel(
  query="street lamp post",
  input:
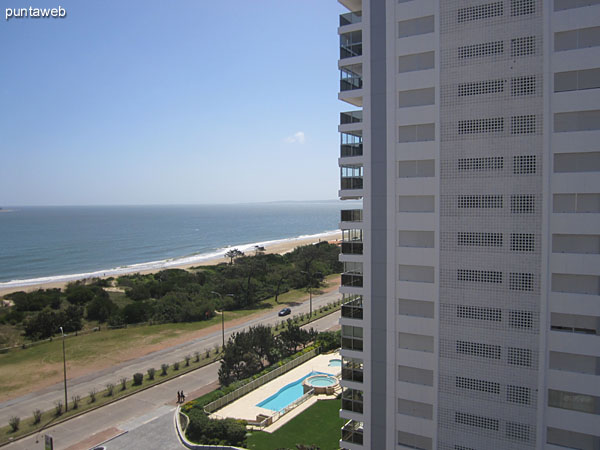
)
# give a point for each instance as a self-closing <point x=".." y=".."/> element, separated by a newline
<point x="64" y="367"/>
<point x="222" y="315"/>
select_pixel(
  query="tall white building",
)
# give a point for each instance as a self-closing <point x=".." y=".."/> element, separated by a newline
<point x="472" y="271"/>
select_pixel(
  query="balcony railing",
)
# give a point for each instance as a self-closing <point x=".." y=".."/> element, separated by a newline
<point x="348" y="150"/>
<point x="351" y="44"/>
<point x="349" y="374"/>
<point x="352" y="400"/>
<point x="351" y="117"/>
<point x="352" y="248"/>
<point x="352" y="280"/>
<point x="352" y="432"/>
<point x="352" y="182"/>
<point x="354" y="308"/>
<point x="351" y="215"/>
<point x="351" y="83"/>
<point x="350" y="18"/>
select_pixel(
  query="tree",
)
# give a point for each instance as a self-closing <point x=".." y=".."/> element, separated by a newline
<point x="41" y="325"/>
<point x="72" y="318"/>
<point x="293" y="337"/>
<point x="232" y="254"/>
<point x="101" y="309"/>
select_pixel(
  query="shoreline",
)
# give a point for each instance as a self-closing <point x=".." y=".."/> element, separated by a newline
<point x="280" y="246"/>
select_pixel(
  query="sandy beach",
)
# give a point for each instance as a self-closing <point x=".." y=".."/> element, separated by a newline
<point x="280" y="247"/>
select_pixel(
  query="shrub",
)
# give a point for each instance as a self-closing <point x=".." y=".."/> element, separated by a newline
<point x="58" y="408"/>
<point x="164" y="368"/>
<point x="14" y="422"/>
<point x="187" y="360"/>
<point x="110" y="389"/>
<point x="151" y="372"/>
<point x="176" y="366"/>
<point x="216" y="432"/>
<point x="123" y="382"/>
<point x="197" y="356"/>
<point x="207" y="353"/>
<point x="92" y="395"/>
<point x="138" y="378"/>
<point x="75" y="399"/>
<point x="37" y="416"/>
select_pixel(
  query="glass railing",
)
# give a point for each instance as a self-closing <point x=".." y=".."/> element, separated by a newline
<point x="351" y="83"/>
<point x="351" y="215"/>
<point x="347" y="150"/>
<point x="352" y="248"/>
<point x="350" y="50"/>
<point x="353" y="309"/>
<point x="351" y="117"/>
<point x="351" y="183"/>
<point x="352" y="400"/>
<point x="350" y="18"/>
<point x="352" y="280"/>
<point x="352" y="432"/>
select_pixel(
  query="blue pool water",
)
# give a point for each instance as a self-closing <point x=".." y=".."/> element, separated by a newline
<point x="322" y="381"/>
<point x="287" y="394"/>
<point x="335" y="363"/>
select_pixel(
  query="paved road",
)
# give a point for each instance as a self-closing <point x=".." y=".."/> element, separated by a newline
<point x="45" y="398"/>
<point x="141" y="421"/>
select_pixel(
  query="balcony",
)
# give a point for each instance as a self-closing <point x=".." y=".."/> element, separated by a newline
<point x="350" y="18"/>
<point x="352" y="242"/>
<point x="352" y="432"/>
<point x="353" y="307"/>
<point x="351" y="117"/>
<point x="351" y="215"/>
<point x="351" y="177"/>
<point x="352" y="280"/>
<point x="352" y="369"/>
<point x="351" y="144"/>
<point x="351" y="44"/>
<point x="351" y="78"/>
<point x="352" y="400"/>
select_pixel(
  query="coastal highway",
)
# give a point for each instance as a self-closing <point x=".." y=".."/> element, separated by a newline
<point x="140" y="422"/>
<point x="45" y="398"/>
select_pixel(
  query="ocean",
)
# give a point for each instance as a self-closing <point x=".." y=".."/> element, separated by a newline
<point x="46" y="244"/>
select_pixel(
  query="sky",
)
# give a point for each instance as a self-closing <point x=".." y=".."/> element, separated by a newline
<point x="169" y="102"/>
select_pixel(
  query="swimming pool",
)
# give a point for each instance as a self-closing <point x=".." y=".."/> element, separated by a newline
<point x="335" y="363"/>
<point x="287" y="394"/>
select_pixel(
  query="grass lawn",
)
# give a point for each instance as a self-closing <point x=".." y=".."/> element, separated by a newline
<point x="318" y="425"/>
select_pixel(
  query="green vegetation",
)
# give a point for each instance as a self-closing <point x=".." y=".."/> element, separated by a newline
<point x="215" y="431"/>
<point x="319" y="425"/>
<point x="169" y="296"/>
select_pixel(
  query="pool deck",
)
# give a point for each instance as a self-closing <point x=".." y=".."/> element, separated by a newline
<point x="245" y="407"/>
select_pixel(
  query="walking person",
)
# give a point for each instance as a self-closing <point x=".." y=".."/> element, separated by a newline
<point x="182" y="397"/>
<point x="178" y="397"/>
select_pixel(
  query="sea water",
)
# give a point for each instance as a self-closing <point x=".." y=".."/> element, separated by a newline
<point x="45" y="244"/>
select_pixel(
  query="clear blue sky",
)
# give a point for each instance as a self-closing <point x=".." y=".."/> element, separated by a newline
<point x="161" y="102"/>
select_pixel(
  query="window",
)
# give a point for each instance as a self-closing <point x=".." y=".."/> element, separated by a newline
<point x="524" y="164"/>
<point x="415" y="376"/>
<point x="477" y="126"/>
<point x="479" y="312"/>
<point x="478" y="385"/>
<point x="352" y="369"/>
<point x="560" y="5"/>
<point x="522" y="124"/>
<point x="416" y="97"/>
<point x="522" y="242"/>
<point x="352" y="400"/>
<point x="475" y="239"/>
<point x="416" y="61"/>
<point x="575" y="39"/>
<point x="576" y="284"/>
<point x="479" y="276"/>
<point x="416" y="168"/>
<point x="416" y="274"/>
<point x="520" y="281"/>
<point x="483" y="164"/>
<point x="564" y="438"/>
<point x="577" y="162"/>
<point x="522" y="46"/>
<point x="522" y="86"/>
<point x="480" y="201"/>
<point x="517" y="431"/>
<point x="419" y="308"/>
<point x="416" y="133"/>
<point x="478" y="349"/>
<point x="576" y="203"/>
<point x="416" y="203"/>
<point x="577" y="80"/>
<point x="577" y="121"/>
<point x="415" y="342"/>
<point x="522" y="7"/>
<point x="352" y="338"/>
<point x="481" y="50"/>
<point x="520" y="319"/>
<point x="480" y="12"/>
<point x="481" y="87"/>
<point x="576" y="243"/>
<point x="415" y="409"/>
<point x="519" y="356"/>
<point x="420" y="239"/>
<point x="476" y="421"/>
<point x="575" y="323"/>
<point x="520" y="204"/>
<point x="574" y="401"/>
<point x="414" y="27"/>
<point x="414" y="441"/>
<point x="518" y="394"/>
<point x="570" y="362"/>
